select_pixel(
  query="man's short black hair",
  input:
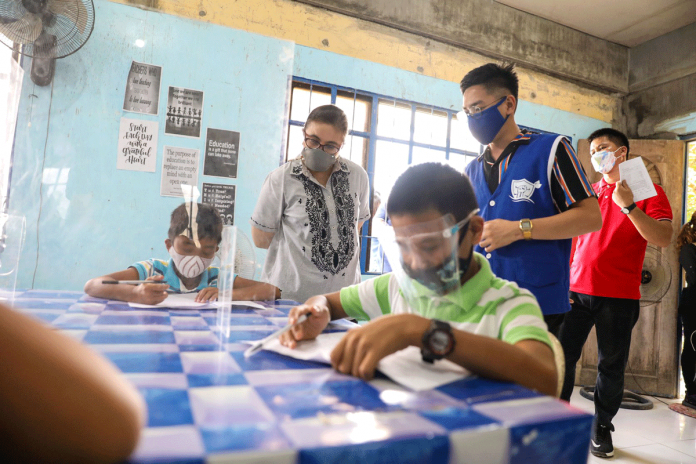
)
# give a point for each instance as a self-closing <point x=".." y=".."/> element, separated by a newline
<point x="331" y="115"/>
<point x="208" y="220"/>
<point x="618" y="138"/>
<point x="493" y="77"/>
<point x="432" y="186"/>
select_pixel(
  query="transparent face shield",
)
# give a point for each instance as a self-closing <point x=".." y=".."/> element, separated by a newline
<point x="426" y="257"/>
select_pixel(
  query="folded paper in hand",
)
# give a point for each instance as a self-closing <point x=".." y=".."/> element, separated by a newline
<point x="405" y="367"/>
<point x="636" y="176"/>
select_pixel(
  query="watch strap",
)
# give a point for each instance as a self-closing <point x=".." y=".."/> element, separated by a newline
<point x="628" y="208"/>
<point x="526" y="228"/>
<point x="426" y="352"/>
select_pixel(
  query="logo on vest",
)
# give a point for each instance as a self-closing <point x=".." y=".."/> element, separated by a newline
<point x="522" y="190"/>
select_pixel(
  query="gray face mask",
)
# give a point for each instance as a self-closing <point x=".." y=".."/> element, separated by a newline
<point x="317" y="160"/>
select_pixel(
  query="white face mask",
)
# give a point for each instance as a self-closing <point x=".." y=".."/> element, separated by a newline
<point x="603" y="161"/>
<point x="189" y="266"/>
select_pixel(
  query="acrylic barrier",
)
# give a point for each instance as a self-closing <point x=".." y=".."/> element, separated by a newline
<point x="208" y="403"/>
<point x="151" y="102"/>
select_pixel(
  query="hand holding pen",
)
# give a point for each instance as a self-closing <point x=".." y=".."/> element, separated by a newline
<point x="151" y="291"/>
<point x="319" y="317"/>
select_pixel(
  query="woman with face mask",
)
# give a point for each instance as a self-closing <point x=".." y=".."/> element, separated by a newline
<point x="310" y="211"/>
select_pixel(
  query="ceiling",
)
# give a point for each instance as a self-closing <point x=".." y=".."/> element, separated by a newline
<point x="626" y="22"/>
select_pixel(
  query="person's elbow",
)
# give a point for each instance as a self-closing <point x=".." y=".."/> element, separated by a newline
<point x="261" y="239"/>
<point x="664" y="237"/>
<point x="90" y="287"/>
<point x="593" y="216"/>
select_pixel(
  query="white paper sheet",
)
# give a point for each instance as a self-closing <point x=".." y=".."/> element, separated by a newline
<point x="636" y="176"/>
<point x="186" y="301"/>
<point x="405" y="367"/>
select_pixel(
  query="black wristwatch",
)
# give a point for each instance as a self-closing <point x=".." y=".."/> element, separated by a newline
<point x="628" y="208"/>
<point x="438" y="341"/>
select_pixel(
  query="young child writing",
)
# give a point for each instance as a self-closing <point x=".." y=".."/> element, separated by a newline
<point x="192" y="245"/>
<point x="441" y="296"/>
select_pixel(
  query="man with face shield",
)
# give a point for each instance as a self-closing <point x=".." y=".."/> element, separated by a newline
<point x="310" y="211"/>
<point x="605" y="278"/>
<point x="533" y="193"/>
<point x="441" y="296"/>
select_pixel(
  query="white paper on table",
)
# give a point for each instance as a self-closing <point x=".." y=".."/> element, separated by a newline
<point x="187" y="300"/>
<point x="405" y="367"/>
<point x="636" y="176"/>
<point x="176" y="300"/>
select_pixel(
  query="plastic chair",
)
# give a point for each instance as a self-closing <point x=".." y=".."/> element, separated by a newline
<point x="559" y="358"/>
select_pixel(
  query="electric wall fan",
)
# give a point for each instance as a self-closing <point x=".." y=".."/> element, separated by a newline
<point x="46" y="30"/>
<point x="655" y="279"/>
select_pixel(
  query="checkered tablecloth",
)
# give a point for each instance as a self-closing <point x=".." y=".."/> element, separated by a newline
<point x="207" y="403"/>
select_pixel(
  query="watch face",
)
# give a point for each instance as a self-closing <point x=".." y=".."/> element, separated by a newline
<point x="439" y="341"/>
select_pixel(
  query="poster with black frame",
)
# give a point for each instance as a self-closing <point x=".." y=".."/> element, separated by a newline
<point x="221" y="153"/>
<point x="184" y="112"/>
<point x="143" y="88"/>
<point x="222" y="197"/>
<point x="179" y="166"/>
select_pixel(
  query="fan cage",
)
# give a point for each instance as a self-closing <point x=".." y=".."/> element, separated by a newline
<point x="68" y="36"/>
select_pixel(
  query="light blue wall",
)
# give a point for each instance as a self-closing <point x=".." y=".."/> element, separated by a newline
<point x="100" y="219"/>
<point x="103" y="219"/>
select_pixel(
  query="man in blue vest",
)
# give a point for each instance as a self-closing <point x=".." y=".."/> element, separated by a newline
<point x="533" y="192"/>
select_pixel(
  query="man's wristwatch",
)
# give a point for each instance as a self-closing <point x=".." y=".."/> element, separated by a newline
<point x="526" y="228"/>
<point x="438" y="341"/>
<point x="628" y="208"/>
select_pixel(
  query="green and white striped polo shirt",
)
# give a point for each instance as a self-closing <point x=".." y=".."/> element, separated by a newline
<point x="484" y="305"/>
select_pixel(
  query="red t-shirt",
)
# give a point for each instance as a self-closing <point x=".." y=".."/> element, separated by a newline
<point x="609" y="262"/>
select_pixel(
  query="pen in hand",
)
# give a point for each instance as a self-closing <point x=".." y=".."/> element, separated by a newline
<point x="256" y="347"/>
<point x="132" y="282"/>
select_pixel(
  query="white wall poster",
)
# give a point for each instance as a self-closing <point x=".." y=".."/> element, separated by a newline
<point x="179" y="166"/>
<point x="137" y="145"/>
<point x="184" y="112"/>
<point x="143" y="88"/>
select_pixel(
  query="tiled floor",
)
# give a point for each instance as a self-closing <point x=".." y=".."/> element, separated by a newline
<point x="657" y="435"/>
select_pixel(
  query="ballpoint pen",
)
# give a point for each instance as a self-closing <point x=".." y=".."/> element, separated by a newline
<point x="256" y="347"/>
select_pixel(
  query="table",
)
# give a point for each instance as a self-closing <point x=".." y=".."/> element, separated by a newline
<point x="207" y="403"/>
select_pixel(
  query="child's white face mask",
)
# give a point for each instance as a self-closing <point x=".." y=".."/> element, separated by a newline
<point x="189" y="266"/>
<point x="603" y="161"/>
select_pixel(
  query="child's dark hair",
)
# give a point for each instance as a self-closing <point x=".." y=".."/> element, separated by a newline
<point x="208" y="220"/>
<point x="331" y="115"/>
<point x="493" y="77"/>
<point x="616" y="137"/>
<point x="432" y="186"/>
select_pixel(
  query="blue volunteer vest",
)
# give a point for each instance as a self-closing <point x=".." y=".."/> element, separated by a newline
<point x="540" y="266"/>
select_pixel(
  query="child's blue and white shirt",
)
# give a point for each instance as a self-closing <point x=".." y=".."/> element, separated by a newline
<point x="155" y="267"/>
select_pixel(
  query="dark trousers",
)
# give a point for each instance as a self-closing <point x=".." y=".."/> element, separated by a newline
<point x="554" y="323"/>
<point x="687" y="312"/>
<point x="614" y="319"/>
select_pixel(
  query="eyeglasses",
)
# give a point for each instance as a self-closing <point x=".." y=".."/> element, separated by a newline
<point x="474" y="111"/>
<point x="314" y="143"/>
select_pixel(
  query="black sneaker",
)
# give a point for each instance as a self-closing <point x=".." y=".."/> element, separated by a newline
<point x="601" y="445"/>
<point x="690" y="401"/>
